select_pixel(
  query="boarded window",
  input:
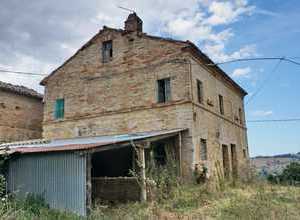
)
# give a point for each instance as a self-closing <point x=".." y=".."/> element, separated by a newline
<point x="200" y="91"/>
<point x="203" y="149"/>
<point x="221" y="104"/>
<point x="59" y="108"/>
<point x="164" y="90"/>
<point x="107" y="51"/>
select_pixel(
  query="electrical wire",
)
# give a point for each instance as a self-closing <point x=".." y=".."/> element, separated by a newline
<point x="24" y="73"/>
<point x="245" y="59"/>
<point x="264" y="83"/>
<point x="275" y="120"/>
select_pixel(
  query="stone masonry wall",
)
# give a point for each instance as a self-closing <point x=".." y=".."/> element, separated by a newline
<point x="120" y="96"/>
<point x="20" y="117"/>
<point x="218" y="129"/>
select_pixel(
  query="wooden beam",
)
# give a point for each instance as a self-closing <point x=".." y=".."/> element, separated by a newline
<point x="180" y="153"/>
<point x="141" y="151"/>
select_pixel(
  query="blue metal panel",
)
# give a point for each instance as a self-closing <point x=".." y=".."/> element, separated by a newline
<point x="59" y="177"/>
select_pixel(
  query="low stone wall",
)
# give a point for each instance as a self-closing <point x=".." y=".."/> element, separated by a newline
<point x="115" y="189"/>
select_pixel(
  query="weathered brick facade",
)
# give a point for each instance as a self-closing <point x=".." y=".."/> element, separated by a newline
<point x="21" y="113"/>
<point x="120" y="96"/>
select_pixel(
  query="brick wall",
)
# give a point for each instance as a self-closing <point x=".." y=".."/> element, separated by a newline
<point x="116" y="189"/>
<point x="20" y="117"/>
<point x="121" y="96"/>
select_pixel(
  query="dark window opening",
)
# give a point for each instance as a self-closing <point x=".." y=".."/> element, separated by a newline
<point x="203" y="149"/>
<point x="59" y="108"/>
<point x="107" y="51"/>
<point x="200" y="91"/>
<point x="164" y="90"/>
<point x="244" y="153"/>
<point x="160" y="156"/>
<point x="221" y="104"/>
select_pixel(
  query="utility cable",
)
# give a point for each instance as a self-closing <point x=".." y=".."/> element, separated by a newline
<point x="264" y="83"/>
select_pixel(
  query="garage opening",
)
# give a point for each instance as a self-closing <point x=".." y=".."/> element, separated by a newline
<point x="115" y="171"/>
<point x="112" y="163"/>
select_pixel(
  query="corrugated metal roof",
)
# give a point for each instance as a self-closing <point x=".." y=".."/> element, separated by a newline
<point x="80" y="143"/>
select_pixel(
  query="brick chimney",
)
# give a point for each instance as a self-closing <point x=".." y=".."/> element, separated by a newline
<point x="133" y="23"/>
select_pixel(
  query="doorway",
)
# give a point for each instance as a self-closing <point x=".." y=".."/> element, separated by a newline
<point x="225" y="154"/>
<point x="234" y="161"/>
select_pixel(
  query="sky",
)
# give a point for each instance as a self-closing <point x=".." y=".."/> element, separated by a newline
<point x="39" y="35"/>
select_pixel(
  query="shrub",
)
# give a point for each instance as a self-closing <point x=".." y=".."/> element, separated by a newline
<point x="290" y="175"/>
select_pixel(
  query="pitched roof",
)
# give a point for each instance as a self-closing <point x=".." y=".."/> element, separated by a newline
<point x="20" y="90"/>
<point x="189" y="46"/>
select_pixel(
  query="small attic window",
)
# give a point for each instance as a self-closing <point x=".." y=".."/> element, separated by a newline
<point x="107" y="51"/>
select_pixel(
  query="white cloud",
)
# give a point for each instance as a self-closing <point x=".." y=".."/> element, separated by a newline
<point x="35" y="47"/>
<point x="262" y="113"/>
<point x="241" y="72"/>
<point x="218" y="54"/>
<point x="227" y="12"/>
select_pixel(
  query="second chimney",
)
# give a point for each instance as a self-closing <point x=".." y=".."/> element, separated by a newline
<point x="133" y="23"/>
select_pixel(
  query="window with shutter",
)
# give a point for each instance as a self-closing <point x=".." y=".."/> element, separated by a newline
<point x="164" y="90"/>
<point x="59" y="108"/>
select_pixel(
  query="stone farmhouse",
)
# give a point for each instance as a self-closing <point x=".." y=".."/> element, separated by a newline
<point x="21" y="113"/>
<point x="123" y="97"/>
<point x="125" y="81"/>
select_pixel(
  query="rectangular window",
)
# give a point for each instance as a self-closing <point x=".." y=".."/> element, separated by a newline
<point x="203" y="149"/>
<point x="244" y="153"/>
<point x="241" y="116"/>
<point x="200" y="91"/>
<point x="163" y="90"/>
<point x="221" y="104"/>
<point x="107" y="51"/>
<point x="59" y="108"/>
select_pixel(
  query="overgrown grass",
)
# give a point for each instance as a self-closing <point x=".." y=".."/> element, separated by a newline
<point x="243" y="201"/>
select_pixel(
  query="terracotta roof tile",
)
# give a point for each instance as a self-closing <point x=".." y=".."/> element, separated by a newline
<point x="20" y="90"/>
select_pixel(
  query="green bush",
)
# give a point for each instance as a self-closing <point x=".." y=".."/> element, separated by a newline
<point x="290" y="175"/>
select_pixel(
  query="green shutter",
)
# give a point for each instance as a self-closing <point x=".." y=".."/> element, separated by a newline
<point x="59" y="108"/>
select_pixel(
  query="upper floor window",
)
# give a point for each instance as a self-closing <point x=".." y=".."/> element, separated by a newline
<point x="203" y="149"/>
<point x="200" y="91"/>
<point x="241" y="115"/>
<point x="221" y="104"/>
<point x="59" y="108"/>
<point x="107" y="51"/>
<point x="163" y="90"/>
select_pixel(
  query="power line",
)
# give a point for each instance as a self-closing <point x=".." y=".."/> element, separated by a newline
<point x="20" y="72"/>
<point x="256" y="59"/>
<point x="275" y="120"/>
<point x="264" y="83"/>
<point x="246" y="59"/>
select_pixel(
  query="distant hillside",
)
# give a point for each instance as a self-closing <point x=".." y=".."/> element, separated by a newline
<point x="271" y="164"/>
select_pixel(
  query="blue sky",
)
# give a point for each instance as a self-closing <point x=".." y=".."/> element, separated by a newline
<point x="276" y="34"/>
<point x="37" y="36"/>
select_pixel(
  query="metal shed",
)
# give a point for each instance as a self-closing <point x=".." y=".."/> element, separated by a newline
<point x="60" y="170"/>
